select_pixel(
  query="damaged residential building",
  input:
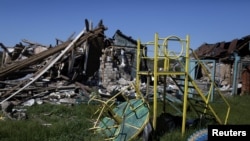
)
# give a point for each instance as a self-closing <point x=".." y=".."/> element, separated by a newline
<point x="232" y="61"/>
<point x="119" y="60"/>
<point x="30" y="70"/>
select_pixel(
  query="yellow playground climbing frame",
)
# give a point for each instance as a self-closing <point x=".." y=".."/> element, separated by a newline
<point x="162" y="52"/>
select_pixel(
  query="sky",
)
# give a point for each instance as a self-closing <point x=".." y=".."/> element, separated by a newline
<point x="44" y="21"/>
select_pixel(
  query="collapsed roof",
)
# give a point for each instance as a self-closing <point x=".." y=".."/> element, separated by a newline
<point x="24" y="69"/>
<point x="90" y="59"/>
<point x="224" y="50"/>
<point x="94" y="38"/>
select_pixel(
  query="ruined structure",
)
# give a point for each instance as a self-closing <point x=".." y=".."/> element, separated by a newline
<point x="232" y="59"/>
<point x="119" y="60"/>
<point x="32" y="70"/>
<point x="26" y="72"/>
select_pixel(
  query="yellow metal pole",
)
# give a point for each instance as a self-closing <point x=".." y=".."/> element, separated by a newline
<point x="166" y="68"/>
<point x="155" y="79"/>
<point x="138" y="60"/>
<point x="184" y="112"/>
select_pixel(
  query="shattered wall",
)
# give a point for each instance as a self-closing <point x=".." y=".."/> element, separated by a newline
<point x="114" y="65"/>
<point x="118" y="61"/>
<point x="121" y="39"/>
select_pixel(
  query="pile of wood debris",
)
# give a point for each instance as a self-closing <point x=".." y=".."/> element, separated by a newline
<point x="35" y="73"/>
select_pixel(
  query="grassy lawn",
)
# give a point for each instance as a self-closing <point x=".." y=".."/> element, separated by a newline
<point x="239" y="114"/>
<point x="71" y="123"/>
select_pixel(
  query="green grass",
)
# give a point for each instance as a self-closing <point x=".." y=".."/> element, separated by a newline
<point x="64" y="123"/>
<point x="71" y="123"/>
<point x="239" y="110"/>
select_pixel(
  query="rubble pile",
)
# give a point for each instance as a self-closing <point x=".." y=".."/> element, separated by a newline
<point x="56" y="74"/>
<point x="71" y="72"/>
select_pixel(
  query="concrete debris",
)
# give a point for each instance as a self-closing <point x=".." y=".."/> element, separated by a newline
<point x="7" y="107"/>
<point x="10" y="112"/>
<point x="30" y="102"/>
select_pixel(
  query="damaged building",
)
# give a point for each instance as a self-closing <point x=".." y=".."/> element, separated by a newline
<point x="31" y="70"/>
<point x="71" y="70"/>
<point x="119" y="60"/>
<point x="232" y="63"/>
